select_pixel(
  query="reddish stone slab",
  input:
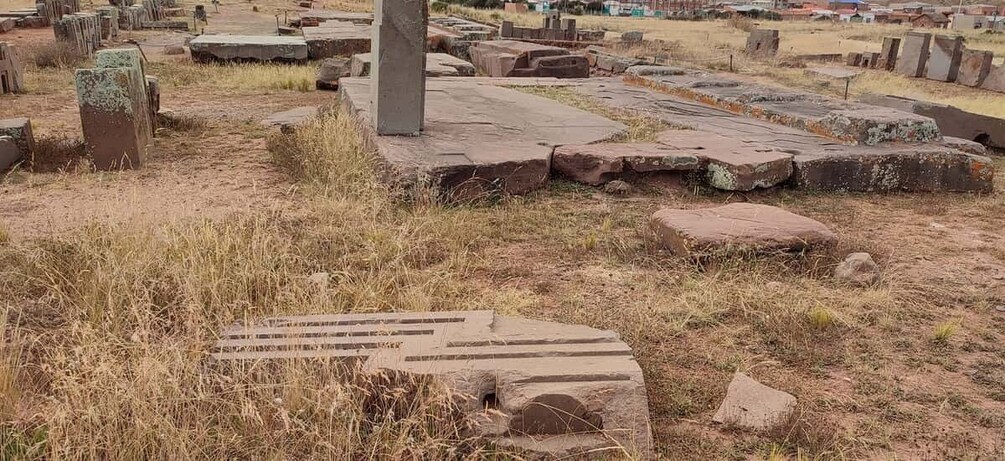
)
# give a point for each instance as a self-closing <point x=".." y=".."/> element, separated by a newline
<point x="974" y="67"/>
<point x="738" y="226"/>
<point x="732" y="164"/>
<point x="511" y="58"/>
<point x="596" y="164"/>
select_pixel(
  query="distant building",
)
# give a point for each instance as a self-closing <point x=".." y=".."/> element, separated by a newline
<point x="912" y="7"/>
<point x="969" y="22"/>
<point x="855" y="5"/>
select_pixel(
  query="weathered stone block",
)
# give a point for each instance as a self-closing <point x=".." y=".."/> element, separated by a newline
<point x="11" y="71"/>
<point x="952" y="121"/>
<point x="632" y="36"/>
<point x="872" y="126"/>
<point x="752" y="405"/>
<point x="912" y="169"/>
<point x="730" y="163"/>
<point x="763" y="42"/>
<point x="511" y="58"/>
<point x="888" y="55"/>
<point x="207" y="48"/>
<point x="9" y="152"/>
<point x="596" y="164"/>
<point x="113" y="111"/>
<point x="854" y="59"/>
<point x="975" y="65"/>
<point x="738" y="227"/>
<point x="18" y="130"/>
<point x="559" y="391"/>
<point x="398" y="77"/>
<point x="944" y="62"/>
<point x="995" y="80"/>
<point x="914" y="56"/>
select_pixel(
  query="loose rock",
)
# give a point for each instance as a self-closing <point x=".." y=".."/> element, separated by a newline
<point x="174" y="50"/>
<point x="752" y="405"/>
<point x="858" y="269"/>
<point x="617" y="187"/>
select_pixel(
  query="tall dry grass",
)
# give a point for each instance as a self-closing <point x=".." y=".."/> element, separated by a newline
<point x="107" y="330"/>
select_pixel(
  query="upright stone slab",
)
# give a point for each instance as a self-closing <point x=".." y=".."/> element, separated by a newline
<point x="854" y="59"/>
<point x="974" y="67"/>
<point x="763" y="42"/>
<point x="112" y="114"/>
<point x="914" y="57"/>
<point x="398" y="79"/>
<point x="888" y="56"/>
<point x="944" y="63"/>
<point x="131" y="58"/>
<point x="11" y="72"/>
<point x="995" y="81"/>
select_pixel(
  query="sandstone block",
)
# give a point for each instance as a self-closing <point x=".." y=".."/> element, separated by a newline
<point x="944" y="61"/>
<point x="730" y="163"/>
<point x="995" y="80"/>
<point x="113" y="113"/>
<point x="596" y="164"/>
<point x="18" y="132"/>
<point x="207" y="48"/>
<point x="914" y="57"/>
<point x="556" y="390"/>
<point x="975" y="65"/>
<point x="738" y="227"/>
<point x="872" y="126"/>
<point x="398" y="80"/>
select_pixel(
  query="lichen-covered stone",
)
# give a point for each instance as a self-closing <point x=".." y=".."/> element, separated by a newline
<point x="875" y="125"/>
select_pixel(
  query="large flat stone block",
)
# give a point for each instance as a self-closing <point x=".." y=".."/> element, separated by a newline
<point x="944" y="62"/>
<point x="975" y="65"/>
<point x="337" y="39"/>
<point x="112" y="115"/>
<point x="597" y="164"/>
<point x="207" y="48"/>
<point x="914" y="56"/>
<point x="952" y="121"/>
<point x="480" y="139"/>
<point x="925" y="168"/>
<point x="730" y="163"/>
<point x="437" y="65"/>
<point x="511" y="58"/>
<point x="738" y="227"/>
<point x="559" y="391"/>
<point x="398" y="88"/>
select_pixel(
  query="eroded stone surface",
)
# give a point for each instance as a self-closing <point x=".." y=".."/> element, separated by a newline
<point x="952" y="121"/>
<point x="511" y="58"/>
<point x="18" y="132"/>
<point x="974" y="67"/>
<point x="554" y="389"/>
<point x="738" y="227"/>
<point x="437" y="65"/>
<point x="9" y="152"/>
<point x="596" y="164"/>
<point x="914" y="57"/>
<point x="995" y="80"/>
<point x="479" y="138"/>
<point x="337" y="39"/>
<point x="730" y="163"/>
<point x="944" y="61"/>
<point x="11" y="71"/>
<point x="206" y="48"/>
<point x="752" y="405"/>
<point x="762" y="42"/>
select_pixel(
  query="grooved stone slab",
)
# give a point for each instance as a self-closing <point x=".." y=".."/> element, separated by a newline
<point x="479" y="138"/>
<point x="555" y="389"/>
<point x="206" y="48"/>
<point x="914" y="56"/>
<point x="752" y="405"/>
<point x="952" y="121"/>
<point x="596" y="164"/>
<point x="738" y="226"/>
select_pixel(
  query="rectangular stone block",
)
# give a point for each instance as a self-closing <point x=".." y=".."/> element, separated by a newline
<point x="11" y="71"/>
<point x="337" y="39"/>
<point x="207" y="48"/>
<point x="888" y="56"/>
<point x="398" y="80"/>
<point x="974" y="67"/>
<point x="17" y="131"/>
<point x="869" y="60"/>
<point x="914" y="56"/>
<point x="854" y="59"/>
<point x="112" y="114"/>
<point x="762" y="42"/>
<point x="944" y="63"/>
<point x="995" y="81"/>
<point x="130" y="58"/>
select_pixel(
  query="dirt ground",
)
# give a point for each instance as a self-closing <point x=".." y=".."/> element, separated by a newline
<point x="875" y="378"/>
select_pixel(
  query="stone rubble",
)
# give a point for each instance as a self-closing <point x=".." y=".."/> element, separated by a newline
<point x="752" y="405"/>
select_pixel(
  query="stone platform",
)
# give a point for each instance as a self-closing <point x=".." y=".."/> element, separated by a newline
<point x="209" y="48"/>
<point x="556" y="390"/>
<point x="818" y="162"/>
<point x="437" y="65"/>
<point x="337" y="38"/>
<point x="313" y="18"/>
<point x="480" y="138"/>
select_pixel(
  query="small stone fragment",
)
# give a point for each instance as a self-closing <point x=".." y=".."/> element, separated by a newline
<point x="617" y="187"/>
<point x="752" y="405"/>
<point x="174" y="50"/>
<point x="320" y="280"/>
<point x="858" y="269"/>
<point x="331" y="70"/>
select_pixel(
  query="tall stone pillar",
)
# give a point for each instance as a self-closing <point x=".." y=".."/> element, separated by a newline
<point x="398" y="70"/>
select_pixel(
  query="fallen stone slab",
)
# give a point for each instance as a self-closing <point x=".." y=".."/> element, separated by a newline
<point x="555" y="390"/>
<point x="848" y="122"/>
<point x="596" y="164"/>
<point x="752" y="405"/>
<point x="264" y="48"/>
<point x="479" y="139"/>
<point x="9" y="152"/>
<point x="730" y="163"/>
<point x="288" y="119"/>
<point x="316" y="17"/>
<point x="951" y="120"/>
<point x="738" y="227"/>
<point x="437" y="65"/>
<point x="336" y="38"/>
<point x="922" y="168"/>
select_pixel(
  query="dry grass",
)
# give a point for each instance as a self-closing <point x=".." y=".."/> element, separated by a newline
<point x="58" y="55"/>
<point x="245" y="76"/>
